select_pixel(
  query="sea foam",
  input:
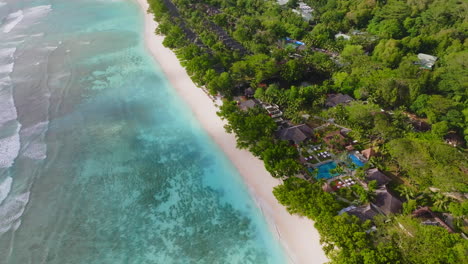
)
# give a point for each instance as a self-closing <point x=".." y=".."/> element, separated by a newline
<point x="5" y="188"/>
<point x="11" y="210"/>
<point x="12" y="20"/>
<point x="35" y="148"/>
<point x="37" y="11"/>
<point x="9" y="149"/>
<point x="9" y="145"/>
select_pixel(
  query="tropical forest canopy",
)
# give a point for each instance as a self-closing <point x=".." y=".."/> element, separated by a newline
<point x="367" y="49"/>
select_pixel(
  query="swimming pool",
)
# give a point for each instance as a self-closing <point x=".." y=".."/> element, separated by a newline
<point x="324" y="171"/>
<point x="355" y="160"/>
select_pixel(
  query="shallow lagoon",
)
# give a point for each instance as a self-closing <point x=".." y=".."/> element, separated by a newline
<point x="106" y="163"/>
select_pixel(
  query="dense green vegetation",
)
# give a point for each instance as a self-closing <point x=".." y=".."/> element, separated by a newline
<point x="404" y="110"/>
<point x="347" y="240"/>
<point x="254" y="131"/>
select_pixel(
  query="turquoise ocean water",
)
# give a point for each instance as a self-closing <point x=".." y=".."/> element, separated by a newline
<point x="100" y="160"/>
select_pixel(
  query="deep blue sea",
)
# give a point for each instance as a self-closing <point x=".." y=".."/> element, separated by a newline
<point x="100" y="160"/>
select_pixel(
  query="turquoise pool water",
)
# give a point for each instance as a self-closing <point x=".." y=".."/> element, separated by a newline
<point x="100" y="160"/>
<point x="355" y="160"/>
<point x="324" y="170"/>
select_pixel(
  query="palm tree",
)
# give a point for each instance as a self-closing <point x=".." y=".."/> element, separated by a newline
<point x="441" y="201"/>
<point x="406" y="192"/>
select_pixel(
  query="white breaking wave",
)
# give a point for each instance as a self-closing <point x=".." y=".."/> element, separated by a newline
<point x="37" y="11"/>
<point x="9" y="148"/>
<point x="11" y="210"/>
<point x="12" y="20"/>
<point x="5" y="188"/>
<point x="36" y="150"/>
<point x="7" y="53"/>
<point x="10" y="145"/>
<point x="7" y="105"/>
<point x="6" y="63"/>
<point x="6" y="68"/>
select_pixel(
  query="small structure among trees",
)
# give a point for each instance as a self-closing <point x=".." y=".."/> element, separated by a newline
<point x="368" y="153"/>
<point x="364" y="212"/>
<point x="248" y="104"/>
<point x="249" y="92"/>
<point x="426" y="61"/>
<point x="430" y="218"/>
<point x="341" y="35"/>
<point x="337" y="99"/>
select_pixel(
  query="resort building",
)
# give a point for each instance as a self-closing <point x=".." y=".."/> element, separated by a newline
<point x="368" y="153"/>
<point x="386" y="202"/>
<point x="376" y="175"/>
<point x="426" y="61"/>
<point x="341" y="35"/>
<point x="248" y="104"/>
<point x="430" y="218"/>
<point x="304" y="10"/>
<point x="296" y="134"/>
<point x="336" y="99"/>
<point x="363" y="212"/>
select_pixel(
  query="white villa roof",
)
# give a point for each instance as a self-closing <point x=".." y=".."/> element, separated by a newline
<point x="345" y="36"/>
<point x="427" y="60"/>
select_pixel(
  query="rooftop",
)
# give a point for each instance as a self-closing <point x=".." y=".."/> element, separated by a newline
<point x="364" y="212"/>
<point x="368" y="153"/>
<point x="426" y="61"/>
<point x="336" y="99"/>
<point x="246" y="105"/>
<point x="296" y="134"/>
<point x="387" y="202"/>
<point x="378" y="176"/>
<point x="341" y="35"/>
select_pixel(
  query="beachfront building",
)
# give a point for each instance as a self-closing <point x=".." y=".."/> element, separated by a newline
<point x="248" y="104"/>
<point x="337" y="99"/>
<point x="296" y="134"/>
<point x="363" y="212"/>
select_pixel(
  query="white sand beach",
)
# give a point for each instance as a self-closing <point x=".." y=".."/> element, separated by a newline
<point x="297" y="234"/>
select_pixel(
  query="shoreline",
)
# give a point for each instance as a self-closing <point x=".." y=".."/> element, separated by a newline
<point x="297" y="235"/>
